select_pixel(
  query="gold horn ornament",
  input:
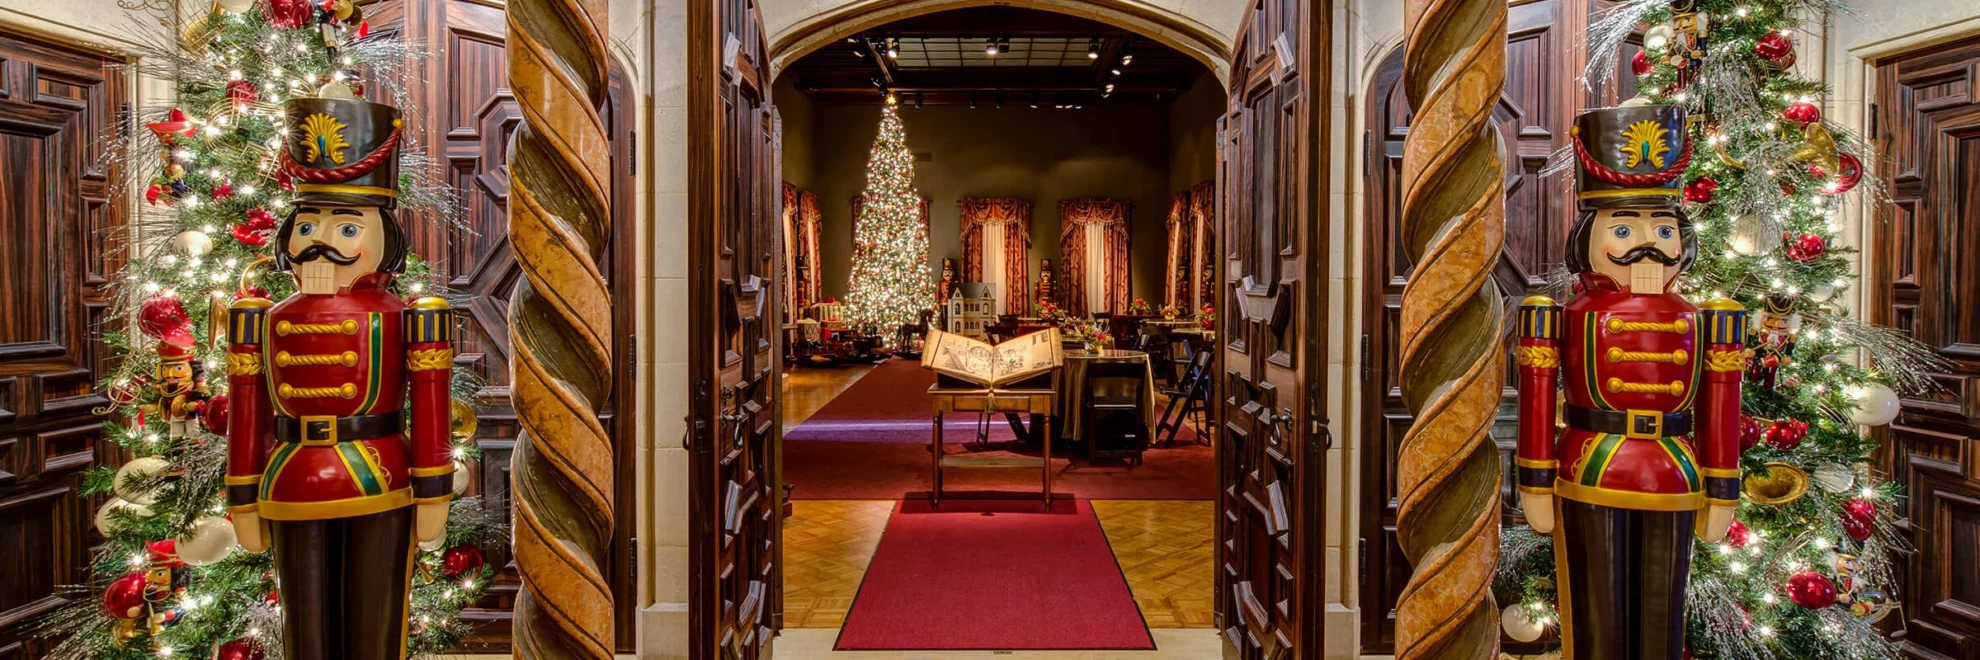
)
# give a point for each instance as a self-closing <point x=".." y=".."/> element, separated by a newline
<point x="1781" y="483"/>
<point x="1818" y="147"/>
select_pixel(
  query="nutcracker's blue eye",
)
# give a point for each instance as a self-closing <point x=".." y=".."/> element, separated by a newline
<point x="1666" y="232"/>
<point x="305" y="228"/>
<point x="348" y="229"/>
<point x="1621" y="231"/>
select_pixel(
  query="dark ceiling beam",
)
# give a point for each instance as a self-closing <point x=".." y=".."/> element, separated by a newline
<point x="990" y="78"/>
<point x="879" y="59"/>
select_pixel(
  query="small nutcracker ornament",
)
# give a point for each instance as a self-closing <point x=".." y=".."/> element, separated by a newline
<point x="182" y="392"/>
<point x="164" y="583"/>
<point x="338" y="450"/>
<point x="1043" y="292"/>
<point x="1773" y="345"/>
<point x="1650" y="453"/>
<point x="946" y="287"/>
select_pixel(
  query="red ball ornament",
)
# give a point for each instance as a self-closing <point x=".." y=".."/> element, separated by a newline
<point x="255" y="231"/>
<point x="1811" y="590"/>
<point x="1806" y="248"/>
<point x="242" y="92"/>
<point x="1859" y="518"/>
<point x="1699" y="191"/>
<point x="213" y="416"/>
<point x="162" y="315"/>
<point x="1775" y="49"/>
<point x="1751" y="431"/>
<point x="287" y="14"/>
<point x="1786" y="434"/>
<point x="1737" y="535"/>
<point x="124" y="598"/>
<point x="1802" y="112"/>
<point x="460" y="560"/>
<point x="1851" y="174"/>
<point x="1640" y="64"/>
<point x="239" y="649"/>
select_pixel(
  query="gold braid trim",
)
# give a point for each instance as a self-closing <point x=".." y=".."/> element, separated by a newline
<point x="1726" y="360"/>
<point x="1678" y="356"/>
<point x="348" y="327"/>
<point x="427" y="359"/>
<point x="1619" y="385"/>
<point x="243" y="364"/>
<point x="347" y="358"/>
<point x="1543" y="357"/>
<point x="287" y="391"/>
<point x="1679" y="326"/>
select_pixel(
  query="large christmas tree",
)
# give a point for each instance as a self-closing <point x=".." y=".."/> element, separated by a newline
<point x="167" y="580"/>
<point x="890" y="279"/>
<point x="1806" y="570"/>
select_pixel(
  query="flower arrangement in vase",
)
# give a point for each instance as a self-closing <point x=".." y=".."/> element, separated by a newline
<point x="1139" y="306"/>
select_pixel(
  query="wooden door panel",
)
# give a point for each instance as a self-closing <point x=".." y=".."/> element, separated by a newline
<point x="1272" y="440"/>
<point x="1542" y="95"/>
<point x="735" y="491"/>
<point x="59" y="105"/>
<point x="1927" y="124"/>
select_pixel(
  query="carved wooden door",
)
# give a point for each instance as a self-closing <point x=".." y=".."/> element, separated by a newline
<point x="59" y="107"/>
<point x="1926" y="282"/>
<point x="734" y="494"/>
<point x="1541" y="97"/>
<point x="1273" y="439"/>
<point x="465" y="120"/>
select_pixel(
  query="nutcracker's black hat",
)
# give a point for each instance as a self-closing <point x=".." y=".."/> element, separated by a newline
<point x="342" y="152"/>
<point x="1631" y="156"/>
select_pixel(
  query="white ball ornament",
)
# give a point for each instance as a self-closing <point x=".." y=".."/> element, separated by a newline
<point x="149" y="468"/>
<point x="111" y="526"/>
<point x="1822" y="293"/>
<point x="1876" y="404"/>
<point x="234" y="6"/>
<point x="1657" y="37"/>
<point x="193" y="242"/>
<point x="1520" y="624"/>
<point x="461" y="478"/>
<point x="209" y="540"/>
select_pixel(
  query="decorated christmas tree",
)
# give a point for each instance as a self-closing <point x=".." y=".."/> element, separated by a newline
<point x="168" y="579"/>
<point x="1805" y="571"/>
<point x="890" y="280"/>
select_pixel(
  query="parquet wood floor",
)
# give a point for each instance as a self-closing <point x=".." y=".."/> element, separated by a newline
<point x="806" y="390"/>
<point x="1164" y="549"/>
<point x="827" y="545"/>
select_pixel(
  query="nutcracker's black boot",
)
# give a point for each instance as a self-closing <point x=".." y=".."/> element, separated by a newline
<point x="343" y="584"/>
<point x="1622" y="576"/>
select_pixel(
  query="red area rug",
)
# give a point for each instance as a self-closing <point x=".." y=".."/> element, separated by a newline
<point x="871" y="443"/>
<point x="994" y="575"/>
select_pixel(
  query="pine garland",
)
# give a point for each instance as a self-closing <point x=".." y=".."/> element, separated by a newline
<point x="201" y="239"/>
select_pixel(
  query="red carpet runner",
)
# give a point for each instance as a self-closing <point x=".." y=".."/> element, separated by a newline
<point x="994" y="575"/>
<point x="871" y="443"/>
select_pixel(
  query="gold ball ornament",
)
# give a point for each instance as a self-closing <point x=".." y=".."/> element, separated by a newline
<point x="464" y="420"/>
<point x="1780" y="483"/>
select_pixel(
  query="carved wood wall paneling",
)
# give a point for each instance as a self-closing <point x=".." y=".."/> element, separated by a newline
<point x="465" y="121"/>
<point x="1926" y="283"/>
<point x="59" y="105"/>
<point x="1271" y="247"/>
<point x="1541" y="96"/>
<point x="734" y="489"/>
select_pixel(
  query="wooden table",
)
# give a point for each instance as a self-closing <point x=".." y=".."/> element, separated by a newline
<point x="1072" y="382"/>
<point x="1039" y="402"/>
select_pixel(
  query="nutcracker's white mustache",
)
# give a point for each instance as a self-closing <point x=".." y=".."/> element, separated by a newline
<point x="1641" y="252"/>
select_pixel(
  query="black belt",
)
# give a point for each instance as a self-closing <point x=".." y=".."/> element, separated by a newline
<point x="1632" y="424"/>
<point x="336" y="429"/>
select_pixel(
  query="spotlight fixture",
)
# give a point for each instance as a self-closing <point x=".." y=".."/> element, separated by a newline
<point x="972" y="100"/>
<point x="991" y="47"/>
<point x="917" y="99"/>
<point x="1114" y="71"/>
<point x="893" y="48"/>
<point x="1127" y="59"/>
<point x="1093" y="50"/>
<point x="1034" y="100"/>
<point x="1110" y="88"/>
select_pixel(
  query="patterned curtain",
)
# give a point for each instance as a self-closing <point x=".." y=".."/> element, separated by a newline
<point x="1111" y="217"/>
<point x="1202" y="214"/>
<point x="813" y="222"/>
<point x="787" y="275"/>
<point x="1179" y="269"/>
<point x="1009" y="215"/>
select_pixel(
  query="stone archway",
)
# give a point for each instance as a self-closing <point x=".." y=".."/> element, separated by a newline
<point x="1159" y="20"/>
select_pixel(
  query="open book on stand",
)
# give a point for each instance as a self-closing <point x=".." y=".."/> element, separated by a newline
<point x="973" y="361"/>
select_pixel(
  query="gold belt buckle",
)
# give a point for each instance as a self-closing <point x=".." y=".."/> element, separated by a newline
<point x="319" y="429"/>
<point x="1645" y="424"/>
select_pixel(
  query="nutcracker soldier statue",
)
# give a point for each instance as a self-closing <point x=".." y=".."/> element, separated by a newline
<point x="1649" y="456"/>
<point x="1043" y="292"/>
<point x="182" y="392"/>
<point x="338" y="454"/>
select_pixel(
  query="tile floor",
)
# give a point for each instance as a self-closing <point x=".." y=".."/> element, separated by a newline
<point x="1163" y="547"/>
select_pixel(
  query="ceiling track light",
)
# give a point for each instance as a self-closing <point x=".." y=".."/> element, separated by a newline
<point x="1034" y="99"/>
<point x="917" y="99"/>
<point x="893" y="48"/>
<point x="1093" y="50"/>
<point x="1127" y="59"/>
<point x="992" y="48"/>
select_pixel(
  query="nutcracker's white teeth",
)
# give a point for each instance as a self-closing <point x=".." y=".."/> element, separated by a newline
<point x="316" y="277"/>
<point x="1646" y="277"/>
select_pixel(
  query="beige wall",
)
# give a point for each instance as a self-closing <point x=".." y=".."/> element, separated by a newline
<point x="1043" y="155"/>
<point x="795" y="110"/>
<point x="1193" y="133"/>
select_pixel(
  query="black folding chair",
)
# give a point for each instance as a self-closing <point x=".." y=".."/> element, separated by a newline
<point x="1188" y="401"/>
<point x="1116" y="395"/>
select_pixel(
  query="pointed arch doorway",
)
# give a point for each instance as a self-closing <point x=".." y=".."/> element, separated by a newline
<point x="1270" y="399"/>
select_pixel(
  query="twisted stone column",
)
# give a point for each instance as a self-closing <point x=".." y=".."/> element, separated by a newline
<point x="1453" y="224"/>
<point x="560" y="324"/>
